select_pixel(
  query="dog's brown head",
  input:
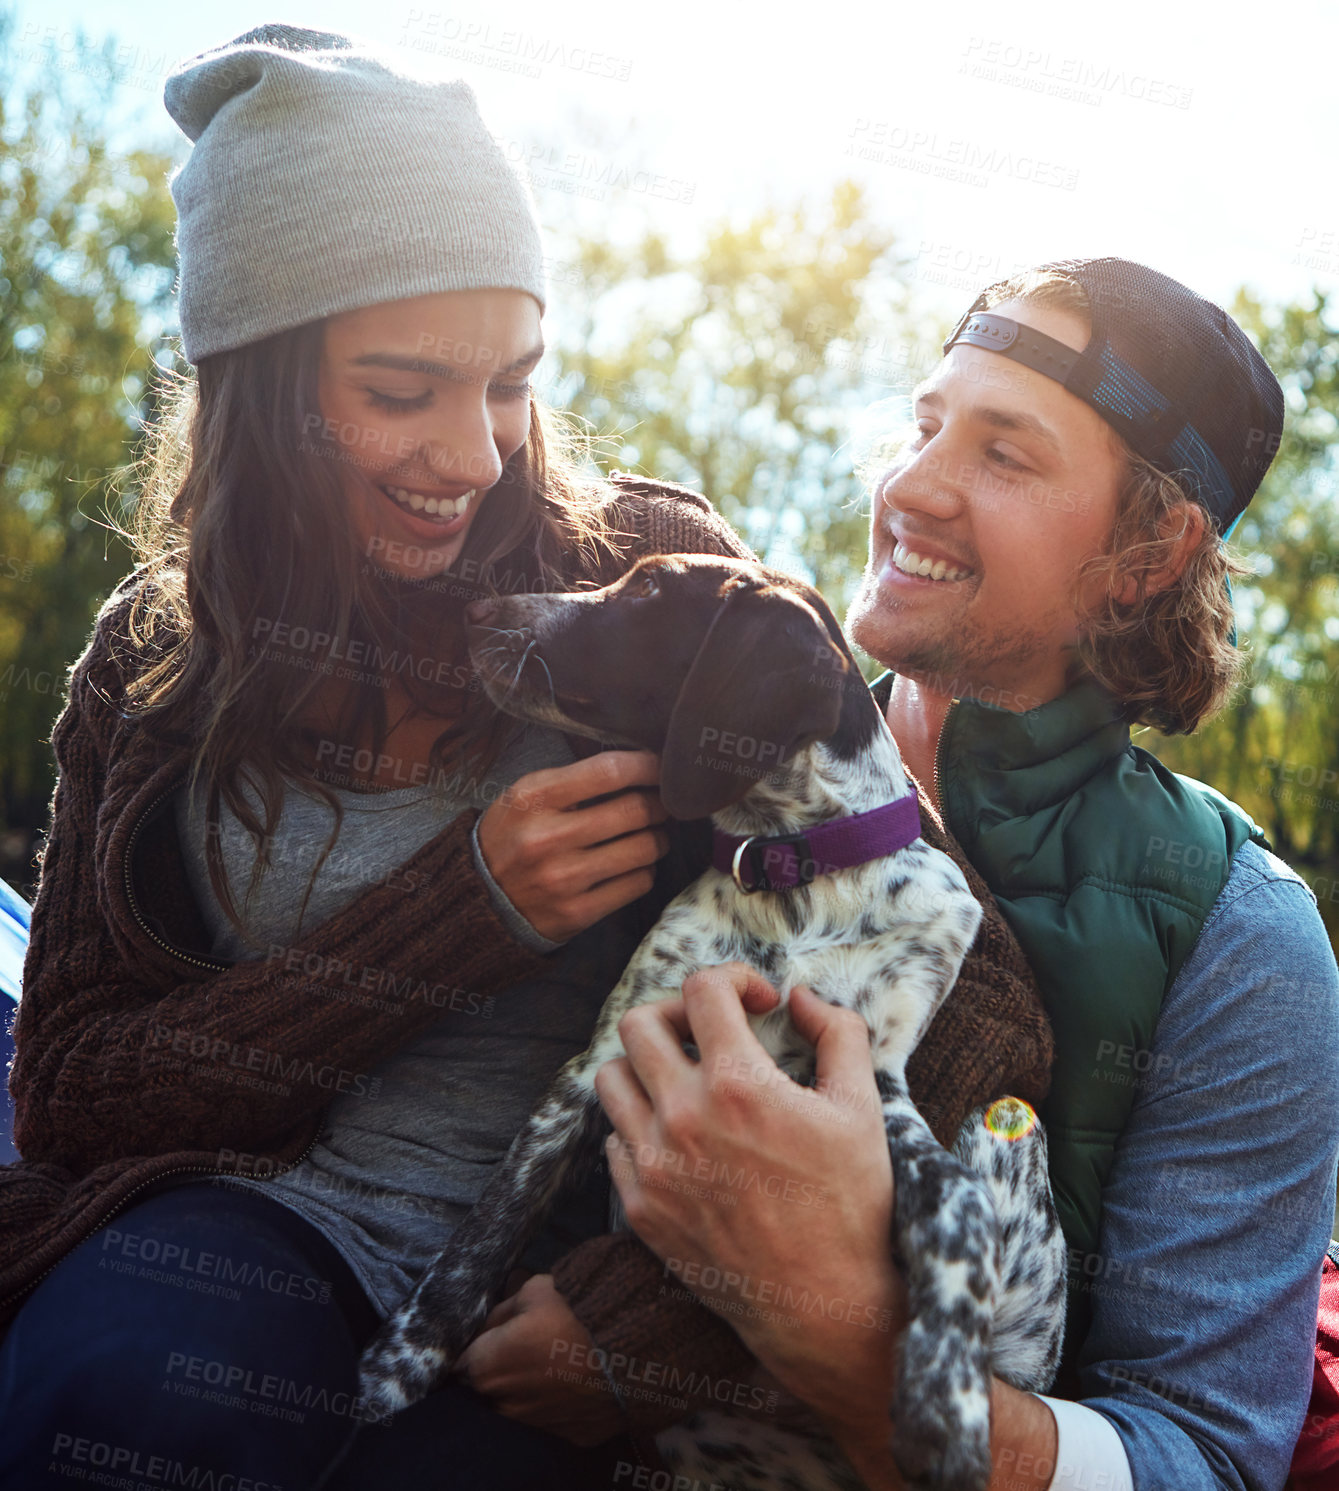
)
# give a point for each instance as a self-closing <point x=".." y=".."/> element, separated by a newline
<point x="725" y="668"/>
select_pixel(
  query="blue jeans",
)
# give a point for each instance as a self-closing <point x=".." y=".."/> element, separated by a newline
<point x="208" y="1328"/>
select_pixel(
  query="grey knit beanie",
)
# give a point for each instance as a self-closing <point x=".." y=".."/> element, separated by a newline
<point x="326" y="177"/>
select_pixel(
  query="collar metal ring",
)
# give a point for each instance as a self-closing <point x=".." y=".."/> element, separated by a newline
<point x="734" y="868"/>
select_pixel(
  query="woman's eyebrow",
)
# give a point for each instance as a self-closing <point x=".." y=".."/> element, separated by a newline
<point x="528" y="361"/>
<point x="400" y="363"/>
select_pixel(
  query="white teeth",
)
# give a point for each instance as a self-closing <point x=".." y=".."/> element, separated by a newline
<point x="911" y="563"/>
<point x="436" y="507"/>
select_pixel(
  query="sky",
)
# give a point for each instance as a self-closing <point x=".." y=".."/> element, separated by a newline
<point x="1191" y="138"/>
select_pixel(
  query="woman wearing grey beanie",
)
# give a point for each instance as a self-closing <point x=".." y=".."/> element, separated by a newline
<point x="301" y="958"/>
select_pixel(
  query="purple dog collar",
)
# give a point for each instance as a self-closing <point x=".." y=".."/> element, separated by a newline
<point x="786" y="861"/>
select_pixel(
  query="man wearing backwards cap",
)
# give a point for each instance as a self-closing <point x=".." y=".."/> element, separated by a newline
<point x="1047" y="569"/>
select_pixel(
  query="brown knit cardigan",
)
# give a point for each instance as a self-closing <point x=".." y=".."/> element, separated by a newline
<point x="118" y="967"/>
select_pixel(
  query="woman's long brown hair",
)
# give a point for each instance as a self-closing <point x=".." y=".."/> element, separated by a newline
<point x="244" y="523"/>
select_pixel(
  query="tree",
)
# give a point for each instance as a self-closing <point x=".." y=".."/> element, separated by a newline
<point x="736" y="367"/>
<point x="85" y="256"/>
<point x="1275" y="750"/>
<point x="738" y="363"/>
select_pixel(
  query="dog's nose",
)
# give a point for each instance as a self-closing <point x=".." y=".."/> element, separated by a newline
<point x="480" y="613"/>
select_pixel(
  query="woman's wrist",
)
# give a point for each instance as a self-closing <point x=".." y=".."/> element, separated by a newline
<point x="519" y="927"/>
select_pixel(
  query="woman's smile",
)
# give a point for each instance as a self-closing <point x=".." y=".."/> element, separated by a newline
<point x="443" y="427"/>
<point x="429" y="514"/>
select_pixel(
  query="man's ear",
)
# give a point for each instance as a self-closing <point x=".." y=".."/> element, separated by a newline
<point x="1186" y="523"/>
<point x="761" y="686"/>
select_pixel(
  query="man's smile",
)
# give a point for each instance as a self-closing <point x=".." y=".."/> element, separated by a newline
<point x="922" y="561"/>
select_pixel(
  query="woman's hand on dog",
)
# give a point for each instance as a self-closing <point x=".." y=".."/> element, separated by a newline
<point x="564" y="860"/>
<point x="762" y="1194"/>
<point x="532" y="1360"/>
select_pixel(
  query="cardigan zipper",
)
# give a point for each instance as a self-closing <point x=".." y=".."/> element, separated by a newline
<point x="153" y="1179"/>
<point x="176" y="952"/>
<point x="939" y="748"/>
<point x="199" y="962"/>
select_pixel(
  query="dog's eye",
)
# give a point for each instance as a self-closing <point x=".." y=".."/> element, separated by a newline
<point x="645" y="586"/>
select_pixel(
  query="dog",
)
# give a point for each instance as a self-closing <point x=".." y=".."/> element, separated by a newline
<point x="739" y="676"/>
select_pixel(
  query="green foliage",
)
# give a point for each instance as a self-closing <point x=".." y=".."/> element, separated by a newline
<point x="85" y="252"/>
<point x="737" y="363"/>
<point x="1275" y="750"/>
<point x="734" y="368"/>
<point x="739" y="368"/>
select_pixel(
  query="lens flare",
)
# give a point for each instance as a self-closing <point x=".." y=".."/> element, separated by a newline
<point x="1010" y="1119"/>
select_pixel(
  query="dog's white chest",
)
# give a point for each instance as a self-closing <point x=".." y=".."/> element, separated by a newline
<point x="893" y="1013"/>
<point x="877" y="940"/>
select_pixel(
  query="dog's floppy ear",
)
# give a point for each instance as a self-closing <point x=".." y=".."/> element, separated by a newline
<point x="766" y="680"/>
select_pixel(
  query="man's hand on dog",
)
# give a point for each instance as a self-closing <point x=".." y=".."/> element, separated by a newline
<point x="565" y="861"/>
<point x="802" y="1183"/>
<point x="522" y="1361"/>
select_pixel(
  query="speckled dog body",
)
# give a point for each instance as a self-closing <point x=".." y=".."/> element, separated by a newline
<point x="739" y="665"/>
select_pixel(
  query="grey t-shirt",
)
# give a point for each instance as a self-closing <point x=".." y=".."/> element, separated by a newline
<point x="408" y="1149"/>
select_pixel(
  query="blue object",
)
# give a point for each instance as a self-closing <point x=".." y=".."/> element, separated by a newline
<point x="1219" y="1205"/>
<point x="122" y="1339"/>
<point x="15" y="919"/>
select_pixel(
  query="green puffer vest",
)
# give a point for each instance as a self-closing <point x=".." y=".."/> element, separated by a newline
<point x="1105" y="864"/>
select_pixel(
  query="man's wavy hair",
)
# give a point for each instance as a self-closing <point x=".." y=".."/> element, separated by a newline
<point x="243" y="522"/>
<point x="1166" y="654"/>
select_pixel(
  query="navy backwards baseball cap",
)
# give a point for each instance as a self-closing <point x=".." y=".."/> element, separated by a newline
<point x="1170" y="372"/>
